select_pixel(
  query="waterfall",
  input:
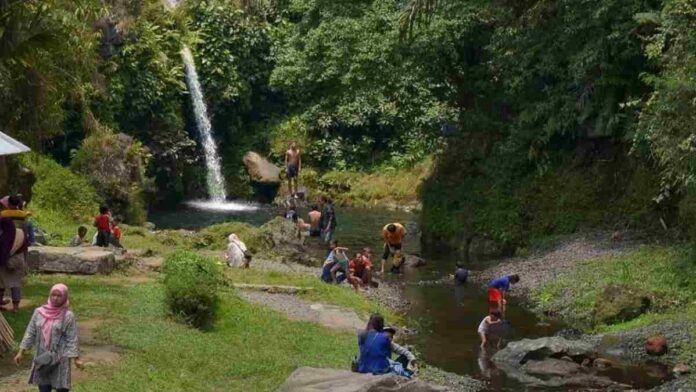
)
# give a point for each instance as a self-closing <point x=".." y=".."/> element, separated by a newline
<point x="216" y="183"/>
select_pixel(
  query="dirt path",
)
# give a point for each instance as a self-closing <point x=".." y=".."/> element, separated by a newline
<point x="92" y="352"/>
<point x="330" y="316"/>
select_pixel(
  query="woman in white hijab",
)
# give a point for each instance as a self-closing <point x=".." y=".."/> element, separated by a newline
<point x="237" y="254"/>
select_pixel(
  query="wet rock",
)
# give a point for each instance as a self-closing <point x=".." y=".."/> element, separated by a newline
<point x="519" y="352"/>
<point x="656" y="345"/>
<point x="414" y="261"/>
<point x="260" y="169"/>
<point x="150" y="226"/>
<point x="681" y="368"/>
<point x="602" y="363"/>
<point x="621" y="303"/>
<point x="536" y="362"/>
<point x="551" y="367"/>
<point x="73" y="260"/>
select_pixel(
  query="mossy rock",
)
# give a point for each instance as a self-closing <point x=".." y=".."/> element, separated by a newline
<point x="620" y="302"/>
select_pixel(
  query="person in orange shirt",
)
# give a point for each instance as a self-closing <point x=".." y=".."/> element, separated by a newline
<point x="393" y="235"/>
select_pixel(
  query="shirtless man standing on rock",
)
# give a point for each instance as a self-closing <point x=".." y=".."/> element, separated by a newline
<point x="293" y="164"/>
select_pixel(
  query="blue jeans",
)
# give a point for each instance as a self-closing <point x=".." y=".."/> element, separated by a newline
<point x="29" y="230"/>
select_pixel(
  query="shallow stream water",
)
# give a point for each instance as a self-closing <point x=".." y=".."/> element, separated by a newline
<point x="445" y="317"/>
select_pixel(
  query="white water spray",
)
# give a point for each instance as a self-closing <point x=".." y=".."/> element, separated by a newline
<point x="216" y="183"/>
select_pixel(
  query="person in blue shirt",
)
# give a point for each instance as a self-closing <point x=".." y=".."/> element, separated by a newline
<point x="376" y="349"/>
<point x="497" y="288"/>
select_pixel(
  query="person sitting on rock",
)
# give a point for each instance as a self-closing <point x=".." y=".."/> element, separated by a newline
<point x="115" y="237"/>
<point x="497" y="288"/>
<point x="335" y="262"/>
<point x="375" y="350"/>
<point x="237" y="254"/>
<point x="393" y="235"/>
<point x="489" y="326"/>
<point x="405" y="356"/>
<point x="360" y="270"/>
<point x="79" y="239"/>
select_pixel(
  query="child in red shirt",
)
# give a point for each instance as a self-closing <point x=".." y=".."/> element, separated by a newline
<point x="360" y="269"/>
<point x="103" y="224"/>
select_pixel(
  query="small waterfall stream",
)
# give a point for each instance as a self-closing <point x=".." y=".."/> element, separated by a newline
<point x="215" y="181"/>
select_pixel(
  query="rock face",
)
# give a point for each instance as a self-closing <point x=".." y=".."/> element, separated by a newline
<point x="75" y="260"/>
<point x="538" y="362"/>
<point x="621" y="303"/>
<point x="656" y="345"/>
<point x="313" y="379"/>
<point x="261" y="170"/>
<point x="288" y="242"/>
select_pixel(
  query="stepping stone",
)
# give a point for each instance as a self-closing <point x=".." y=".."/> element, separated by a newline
<point x="71" y="260"/>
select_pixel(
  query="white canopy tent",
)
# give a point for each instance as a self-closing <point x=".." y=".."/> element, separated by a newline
<point x="9" y="146"/>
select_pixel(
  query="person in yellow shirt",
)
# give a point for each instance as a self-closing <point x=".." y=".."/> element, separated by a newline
<point x="393" y="235"/>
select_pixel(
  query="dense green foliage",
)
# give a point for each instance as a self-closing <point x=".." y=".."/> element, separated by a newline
<point x="191" y="288"/>
<point x="61" y="199"/>
<point x="542" y="116"/>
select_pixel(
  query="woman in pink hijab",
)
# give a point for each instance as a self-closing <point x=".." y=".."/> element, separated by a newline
<point x="52" y="328"/>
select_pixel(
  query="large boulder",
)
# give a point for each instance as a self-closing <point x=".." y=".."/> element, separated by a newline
<point x="288" y="241"/>
<point x="73" y="260"/>
<point x="520" y="352"/>
<point x="261" y="170"/>
<point x="313" y="379"/>
<point x="538" y="362"/>
<point x="620" y="303"/>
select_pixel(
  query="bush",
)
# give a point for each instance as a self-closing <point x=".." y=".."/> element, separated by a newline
<point x="191" y="283"/>
<point x="61" y="199"/>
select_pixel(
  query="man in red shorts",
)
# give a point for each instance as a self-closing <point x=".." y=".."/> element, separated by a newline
<point x="497" y="288"/>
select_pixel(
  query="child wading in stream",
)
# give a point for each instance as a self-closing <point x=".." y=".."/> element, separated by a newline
<point x="491" y="328"/>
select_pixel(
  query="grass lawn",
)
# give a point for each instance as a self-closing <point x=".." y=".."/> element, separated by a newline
<point x="250" y="349"/>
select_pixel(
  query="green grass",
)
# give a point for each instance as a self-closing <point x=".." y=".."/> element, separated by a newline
<point x="383" y="186"/>
<point x="250" y="348"/>
<point x="573" y="296"/>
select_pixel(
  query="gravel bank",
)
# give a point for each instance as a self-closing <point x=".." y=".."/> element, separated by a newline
<point x="542" y="267"/>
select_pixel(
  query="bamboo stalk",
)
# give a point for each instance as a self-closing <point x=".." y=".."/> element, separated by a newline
<point x="6" y="335"/>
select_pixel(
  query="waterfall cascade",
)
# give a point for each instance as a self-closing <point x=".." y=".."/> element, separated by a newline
<point x="214" y="179"/>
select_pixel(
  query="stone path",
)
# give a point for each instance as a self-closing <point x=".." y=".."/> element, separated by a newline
<point x="330" y="316"/>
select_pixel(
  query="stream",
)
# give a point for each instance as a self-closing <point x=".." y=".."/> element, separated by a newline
<point x="445" y="317"/>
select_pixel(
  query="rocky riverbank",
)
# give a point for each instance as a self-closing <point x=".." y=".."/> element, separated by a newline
<point x="571" y="266"/>
<point x="544" y="266"/>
